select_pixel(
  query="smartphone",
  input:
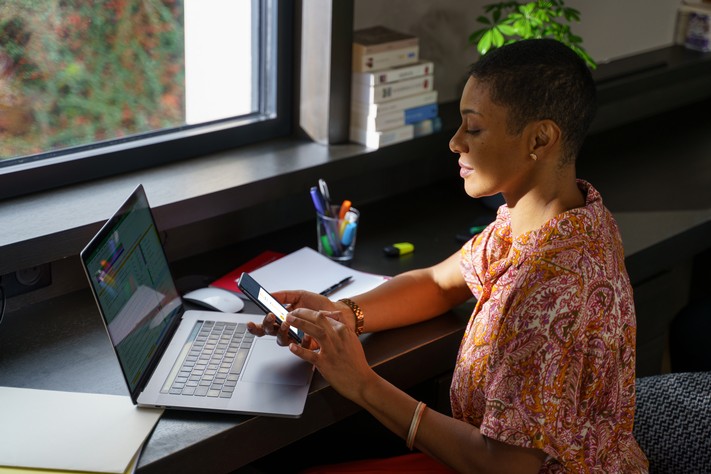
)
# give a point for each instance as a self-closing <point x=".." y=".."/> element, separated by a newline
<point x="266" y="302"/>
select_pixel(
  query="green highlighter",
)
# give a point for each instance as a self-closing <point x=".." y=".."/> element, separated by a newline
<point x="326" y="245"/>
<point x="399" y="249"/>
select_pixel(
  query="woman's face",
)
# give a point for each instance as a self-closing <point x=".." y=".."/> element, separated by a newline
<point x="490" y="159"/>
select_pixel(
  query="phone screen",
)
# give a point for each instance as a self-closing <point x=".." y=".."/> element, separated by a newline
<point x="266" y="302"/>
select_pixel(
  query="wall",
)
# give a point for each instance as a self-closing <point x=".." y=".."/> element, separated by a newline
<point x="611" y="29"/>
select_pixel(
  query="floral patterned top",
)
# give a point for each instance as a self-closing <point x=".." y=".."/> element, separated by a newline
<point x="548" y="356"/>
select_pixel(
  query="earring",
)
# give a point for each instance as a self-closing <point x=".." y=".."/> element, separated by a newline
<point x="534" y="156"/>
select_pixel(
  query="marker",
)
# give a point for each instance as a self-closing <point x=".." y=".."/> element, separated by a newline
<point x="476" y="229"/>
<point x="345" y="207"/>
<point x="333" y="288"/>
<point x="326" y="246"/>
<point x="399" y="249"/>
<point x="349" y="217"/>
<point x="348" y="234"/>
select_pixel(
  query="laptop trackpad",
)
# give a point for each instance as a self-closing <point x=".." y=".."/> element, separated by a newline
<point x="267" y="364"/>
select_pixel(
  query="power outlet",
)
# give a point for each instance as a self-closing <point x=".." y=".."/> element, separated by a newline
<point x="26" y="279"/>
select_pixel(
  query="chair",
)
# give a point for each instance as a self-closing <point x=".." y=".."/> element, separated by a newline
<point x="673" y="422"/>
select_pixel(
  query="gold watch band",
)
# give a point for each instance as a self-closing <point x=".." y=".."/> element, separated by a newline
<point x="357" y="312"/>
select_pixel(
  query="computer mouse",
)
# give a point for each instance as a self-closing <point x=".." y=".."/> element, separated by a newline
<point x="216" y="299"/>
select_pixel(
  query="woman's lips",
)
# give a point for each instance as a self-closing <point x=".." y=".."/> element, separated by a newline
<point x="464" y="170"/>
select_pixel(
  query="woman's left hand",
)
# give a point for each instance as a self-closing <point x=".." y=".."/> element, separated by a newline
<point x="340" y="357"/>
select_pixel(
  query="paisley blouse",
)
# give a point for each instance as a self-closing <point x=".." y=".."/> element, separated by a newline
<point x="548" y="357"/>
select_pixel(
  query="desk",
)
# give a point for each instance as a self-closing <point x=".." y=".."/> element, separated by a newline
<point x="62" y="345"/>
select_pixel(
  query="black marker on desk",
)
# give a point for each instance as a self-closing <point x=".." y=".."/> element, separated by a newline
<point x="333" y="288"/>
<point x="401" y="248"/>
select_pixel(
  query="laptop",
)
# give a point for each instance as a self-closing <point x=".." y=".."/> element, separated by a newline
<point x="177" y="358"/>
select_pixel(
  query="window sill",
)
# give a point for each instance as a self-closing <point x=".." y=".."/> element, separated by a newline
<point x="56" y="224"/>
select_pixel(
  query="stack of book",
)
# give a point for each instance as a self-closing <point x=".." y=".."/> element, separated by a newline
<point x="393" y="98"/>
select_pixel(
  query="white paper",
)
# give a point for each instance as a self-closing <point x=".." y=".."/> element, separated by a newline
<point x="71" y="431"/>
<point x="306" y="269"/>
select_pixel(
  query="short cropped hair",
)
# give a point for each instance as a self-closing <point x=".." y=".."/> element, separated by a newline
<point x="540" y="79"/>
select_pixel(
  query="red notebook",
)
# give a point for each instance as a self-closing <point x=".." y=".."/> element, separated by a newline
<point x="229" y="281"/>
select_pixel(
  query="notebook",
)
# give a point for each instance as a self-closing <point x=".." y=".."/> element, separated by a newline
<point x="157" y="341"/>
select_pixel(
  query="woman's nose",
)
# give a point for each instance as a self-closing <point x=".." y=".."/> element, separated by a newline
<point x="455" y="144"/>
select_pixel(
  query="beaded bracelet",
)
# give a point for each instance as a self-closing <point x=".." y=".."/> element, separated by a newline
<point x="415" y="423"/>
<point x="357" y="312"/>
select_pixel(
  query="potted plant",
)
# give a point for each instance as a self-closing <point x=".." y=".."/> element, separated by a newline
<point x="512" y="21"/>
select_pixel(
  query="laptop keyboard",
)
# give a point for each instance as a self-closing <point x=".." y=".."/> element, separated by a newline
<point x="212" y="360"/>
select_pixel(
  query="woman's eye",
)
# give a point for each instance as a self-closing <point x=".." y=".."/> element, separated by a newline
<point x="474" y="131"/>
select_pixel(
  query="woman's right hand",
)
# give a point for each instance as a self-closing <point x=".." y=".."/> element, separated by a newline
<point x="292" y="300"/>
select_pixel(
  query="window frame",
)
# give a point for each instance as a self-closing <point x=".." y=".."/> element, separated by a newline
<point x="92" y="162"/>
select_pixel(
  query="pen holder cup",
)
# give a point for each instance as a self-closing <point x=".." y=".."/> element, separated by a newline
<point x="336" y="235"/>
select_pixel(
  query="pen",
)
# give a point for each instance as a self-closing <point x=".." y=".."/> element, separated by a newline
<point x="323" y="189"/>
<point x="318" y="200"/>
<point x="333" y="288"/>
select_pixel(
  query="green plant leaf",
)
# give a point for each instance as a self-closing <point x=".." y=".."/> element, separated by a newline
<point x="497" y="38"/>
<point x="507" y="30"/>
<point x="511" y="21"/>
<point x="571" y="14"/>
<point x="484" y="43"/>
<point x="523" y="28"/>
<point x="476" y="36"/>
<point x="527" y="9"/>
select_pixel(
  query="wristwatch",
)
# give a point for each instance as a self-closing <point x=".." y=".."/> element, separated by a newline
<point x="357" y="312"/>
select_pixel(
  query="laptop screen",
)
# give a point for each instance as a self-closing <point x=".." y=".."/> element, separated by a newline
<point x="128" y="270"/>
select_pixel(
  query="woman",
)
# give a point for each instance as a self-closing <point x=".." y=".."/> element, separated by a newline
<point x="544" y="378"/>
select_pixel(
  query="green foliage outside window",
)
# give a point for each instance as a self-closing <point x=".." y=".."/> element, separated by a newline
<point x="74" y="72"/>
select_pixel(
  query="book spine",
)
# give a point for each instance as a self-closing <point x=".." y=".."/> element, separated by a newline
<point x="392" y="91"/>
<point x="394" y="119"/>
<point x="399" y="73"/>
<point x="373" y="139"/>
<point x="386" y="59"/>
<point x="418" y="114"/>
<point x="376" y="48"/>
<point x="376" y="109"/>
<point x="427" y="127"/>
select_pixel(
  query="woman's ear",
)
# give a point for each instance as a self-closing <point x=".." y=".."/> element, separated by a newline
<point x="546" y="136"/>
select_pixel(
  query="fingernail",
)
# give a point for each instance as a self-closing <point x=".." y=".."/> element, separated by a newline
<point x="289" y="318"/>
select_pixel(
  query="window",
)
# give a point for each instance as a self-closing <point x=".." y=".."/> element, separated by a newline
<point x="91" y="89"/>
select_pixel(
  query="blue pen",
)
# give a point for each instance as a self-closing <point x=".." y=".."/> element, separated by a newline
<point x="319" y="203"/>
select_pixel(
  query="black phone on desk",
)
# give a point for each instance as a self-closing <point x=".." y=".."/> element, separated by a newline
<point x="266" y="302"/>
